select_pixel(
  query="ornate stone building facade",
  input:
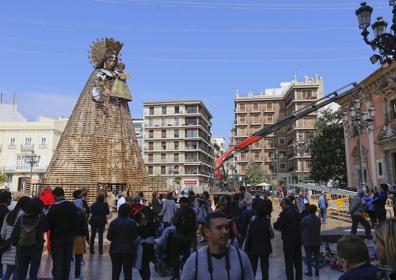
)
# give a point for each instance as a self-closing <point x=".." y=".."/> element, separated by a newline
<point x="378" y="142"/>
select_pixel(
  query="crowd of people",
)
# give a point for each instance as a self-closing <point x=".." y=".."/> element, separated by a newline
<point x="188" y="237"/>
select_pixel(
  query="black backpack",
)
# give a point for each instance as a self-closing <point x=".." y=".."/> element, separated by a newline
<point x="186" y="223"/>
<point x="27" y="234"/>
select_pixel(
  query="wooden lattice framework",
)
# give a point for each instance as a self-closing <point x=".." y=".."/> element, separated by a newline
<point x="99" y="147"/>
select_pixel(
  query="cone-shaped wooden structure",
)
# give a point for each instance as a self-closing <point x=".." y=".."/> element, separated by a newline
<point x="98" y="148"/>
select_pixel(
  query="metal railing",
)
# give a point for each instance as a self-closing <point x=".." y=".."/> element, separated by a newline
<point x="321" y="188"/>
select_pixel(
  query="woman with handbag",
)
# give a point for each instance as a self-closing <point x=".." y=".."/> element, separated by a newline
<point x="9" y="251"/>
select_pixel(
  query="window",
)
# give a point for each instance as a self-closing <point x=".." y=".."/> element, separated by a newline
<point x="151" y="133"/>
<point x="176" y="169"/>
<point x="282" y="166"/>
<point x="164" y="110"/>
<point x="393" y="109"/>
<point x="191" y="169"/>
<point x="176" y="144"/>
<point x="191" y="121"/>
<point x="176" y="133"/>
<point x="151" y="109"/>
<point x="256" y="119"/>
<point x="150" y="157"/>
<point x="257" y="155"/>
<point x="150" y="170"/>
<point x="269" y="119"/>
<point x="282" y="141"/>
<point x="190" y="157"/>
<point x="191" y="109"/>
<point x="191" y="133"/>
<point x="21" y="163"/>
<point x="163" y="133"/>
<point x="43" y="141"/>
<point x="242" y="107"/>
<point x="163" y="157"/>
<point x="176" y="157"/>
<point x="380" y="172"/>
<point x="151" y="146"/>
<point x="307" y="94"/>
<point x="12" y="142"/>
<point x="28" y="141"/>
<point x="163" y="145"/>
<point x="177" y="110"/>
<point x="176" y="121"/>
<point x="191" y="145"/>
<point x="163" y="169"/>
<point x="255" y="106"/>
<point x="242" y="119"/>
<point x="163" y="122"/>
<point x="151" y="122"/>
<point x="269" y="106"/>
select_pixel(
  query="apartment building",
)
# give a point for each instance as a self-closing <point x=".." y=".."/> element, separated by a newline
<point x="20" y="138"/>
<point x="138" y="125"/>
<point x="275" y="153"/>
<point x="177" y="143"/>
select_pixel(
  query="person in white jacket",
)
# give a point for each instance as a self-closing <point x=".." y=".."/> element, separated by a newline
<point x="121" y="200"/>
<point x="168" y="209"/>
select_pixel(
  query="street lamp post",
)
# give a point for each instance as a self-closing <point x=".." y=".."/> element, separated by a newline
<point x="301" y="146"/>
<point x="385" y="42"/>
<point x="354" y="124"/>
<point x="32" y="159"/>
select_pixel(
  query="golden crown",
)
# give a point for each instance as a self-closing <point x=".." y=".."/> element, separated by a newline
<point x="102" y="48"/>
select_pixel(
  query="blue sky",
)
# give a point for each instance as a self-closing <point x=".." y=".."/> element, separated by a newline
<point x="179" y="49"/>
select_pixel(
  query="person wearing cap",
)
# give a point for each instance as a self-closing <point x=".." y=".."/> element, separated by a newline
<point x="357" y="208"/>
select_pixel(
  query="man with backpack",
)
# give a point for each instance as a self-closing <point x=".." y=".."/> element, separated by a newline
<point x="217" y="260"/>
<point x="357" y="208"/>
<point x="185" y="221"/>
<point x="62" y="219"/>
<point x="27" y="236"/>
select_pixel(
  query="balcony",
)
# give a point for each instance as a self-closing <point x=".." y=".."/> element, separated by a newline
<point x="27" y="147"/>
<point x="23" y="168"/>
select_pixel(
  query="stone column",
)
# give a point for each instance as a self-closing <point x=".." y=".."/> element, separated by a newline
<point x="347" y="157"/>
<point x="373" y="163"/>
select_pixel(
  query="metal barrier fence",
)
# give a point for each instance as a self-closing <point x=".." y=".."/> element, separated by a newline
<point x="320" y="188"/>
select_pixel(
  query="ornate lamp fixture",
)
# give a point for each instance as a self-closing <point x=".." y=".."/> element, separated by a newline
<point x="354" y="123"/>
<point x="383" y="41"/>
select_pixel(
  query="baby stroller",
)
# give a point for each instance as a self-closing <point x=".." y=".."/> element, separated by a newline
<point x="162" y="251"/>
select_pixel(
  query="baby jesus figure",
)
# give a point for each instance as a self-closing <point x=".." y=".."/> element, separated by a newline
<point x="120" y="88"/>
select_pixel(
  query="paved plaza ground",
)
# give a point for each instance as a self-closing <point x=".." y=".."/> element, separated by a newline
<point x="98" y="267"/>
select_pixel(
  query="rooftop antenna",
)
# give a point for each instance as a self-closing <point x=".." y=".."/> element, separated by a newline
<point x="296" y="74"/>
<point x="13" y="101"/>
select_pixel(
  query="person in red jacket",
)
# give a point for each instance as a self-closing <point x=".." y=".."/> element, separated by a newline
<point x="136" y="206"/>
<point x="48" y="199"/>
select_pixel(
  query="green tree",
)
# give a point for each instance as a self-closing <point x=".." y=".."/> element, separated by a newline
<point x="3" y="178"/>
<point x="177" y="180"/>
<point x="254" y="175"/>
<point x="327" y="147"/>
